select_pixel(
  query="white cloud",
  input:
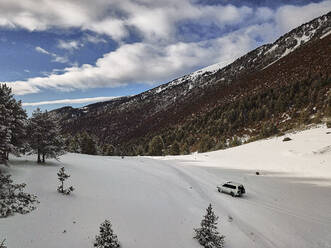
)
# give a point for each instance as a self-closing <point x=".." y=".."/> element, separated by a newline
<point x="93" y="39"/>
<point x="56" y="58"/>
<point x="42" y="50"/>
<point x="141" y="63"/>
<point x="288" y="17"/>
<point x="69" y="45"/>
<point x="71" y="101"/>
<point x="160" y="55"/>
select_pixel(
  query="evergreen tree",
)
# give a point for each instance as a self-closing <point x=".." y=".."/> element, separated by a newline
<point x="106" y="238"/>
<point x="44" y="136"/>
<point x="235" y="141"/>
<point x="206" y="144"/>
<point x="207" y="234"/>
<point x="19" y="126"/>
<point x="87" y="144"/>
<point x="2" y="244"/>
<point x="174" y="149"/>
<point x="109" y="150"/>
<point x="73" y="144"/>
<point x="156" y="146"/>
<point x="13" y="199"/>
<point x="12" y="124"/>
<point x="62" y="177"/>
<point x="184" y="149"/>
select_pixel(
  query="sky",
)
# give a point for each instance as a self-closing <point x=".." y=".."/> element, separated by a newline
<point x="57" y="53"/>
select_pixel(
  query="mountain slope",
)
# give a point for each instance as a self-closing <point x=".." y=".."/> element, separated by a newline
<point x="299" y="56"/>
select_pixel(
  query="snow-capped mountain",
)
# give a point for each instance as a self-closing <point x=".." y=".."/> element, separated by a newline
<point x="297" y="55"/>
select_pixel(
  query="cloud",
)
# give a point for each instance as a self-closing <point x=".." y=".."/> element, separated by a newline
<point x="288" y="17"/>
<point x="70" y="45"/>
<point x="93" y="39"/>
<point x="42" y="50"/>
<point x="71" y="101"/>
<point x="160" y="54"/>
<point x="141" y="63"/>
<point x="56" y="58"/>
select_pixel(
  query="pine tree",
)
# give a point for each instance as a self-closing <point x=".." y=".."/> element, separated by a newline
<point x="62" y="177"/>
<point x="174" y="149"/>
<point x="12" y="123"/>
<point x="87" y="144"/>
<point x="19" y="125"/>
<point x="206" y="144"/>
<point x="2" y="244"/>
<point x="106" y="238"/>
<point x="13" y="199"/>
<point x="156" y="146"/>
<point x="44" y="136"/>
<point x="184" y="149"/>
<point x="73" y="144"/>
<point x="207" y="234"/>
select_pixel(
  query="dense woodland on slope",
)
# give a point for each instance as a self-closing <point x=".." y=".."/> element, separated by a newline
<point x="272" y="89"/>
<point x="270" y="111"/>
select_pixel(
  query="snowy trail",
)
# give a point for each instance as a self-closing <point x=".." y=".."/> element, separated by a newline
<point x="206" y="190"/>
<point x="157" y="201"/>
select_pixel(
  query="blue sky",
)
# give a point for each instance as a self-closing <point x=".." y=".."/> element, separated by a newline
<point x="58" y="53"/>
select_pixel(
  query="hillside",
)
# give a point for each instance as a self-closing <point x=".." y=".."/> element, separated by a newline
<point x="157" y="201"/>
<point x="288" y="81"/>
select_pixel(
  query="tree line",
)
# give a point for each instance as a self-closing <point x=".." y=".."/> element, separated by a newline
<point x="267" y="112"/>
<point x="40" y="134"/>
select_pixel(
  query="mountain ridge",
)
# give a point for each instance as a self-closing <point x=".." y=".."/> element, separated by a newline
<point x="123" y="119"/>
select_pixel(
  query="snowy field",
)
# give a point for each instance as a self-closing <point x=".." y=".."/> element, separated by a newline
<point x="156" y="202"/>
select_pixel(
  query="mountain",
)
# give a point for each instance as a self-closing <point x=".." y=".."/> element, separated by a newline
<point x="268" y="90"/>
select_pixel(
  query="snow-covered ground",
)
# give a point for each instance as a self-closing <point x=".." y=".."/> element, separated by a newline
<point x="156" y="202"/>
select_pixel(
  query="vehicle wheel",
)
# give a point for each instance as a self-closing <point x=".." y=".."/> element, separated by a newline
<point x="219" y="190"/>
<point x="232" y="194"/>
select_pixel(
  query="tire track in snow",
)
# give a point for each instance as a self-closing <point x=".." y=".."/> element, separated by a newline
<point x="288" y="212"/>
<point x="241" y="225"/>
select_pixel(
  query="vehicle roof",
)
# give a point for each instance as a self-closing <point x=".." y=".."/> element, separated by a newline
<point x="234" y="183"/>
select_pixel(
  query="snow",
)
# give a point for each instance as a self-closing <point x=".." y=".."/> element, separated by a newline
<point x="273" y="48"/>
<point x="326" y="34"/>
<point x="157" y="201"/>
<point x="211" y="68"/>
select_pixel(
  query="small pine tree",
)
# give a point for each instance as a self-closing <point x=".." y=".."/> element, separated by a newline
<point x="106" y="238"/>
<point x="13" y="199"/>
<point x="207" y="234"/>
<point x="2" y="244"/>
<point x="62" y="177"/>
